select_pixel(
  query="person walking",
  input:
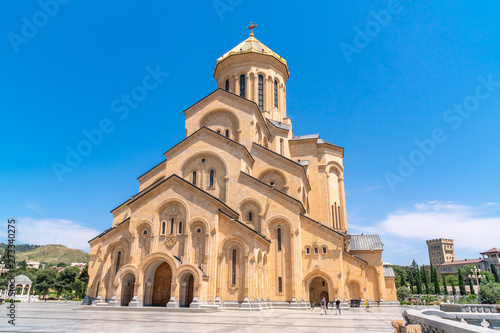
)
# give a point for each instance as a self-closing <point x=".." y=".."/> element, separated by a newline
<point x="323" y="306"/>
<point x="337" y="307"/>
<point x="66" y="298"/>
<point x="367" y="304"/>
<point x="45" y="297"/>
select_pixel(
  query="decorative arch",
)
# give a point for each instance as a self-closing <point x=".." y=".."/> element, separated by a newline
<point x="124" y="270"/>
<point x="203" y="162"/>
<point x="154" y="257"/>
<point x="228" y="241"/>
<point x="353" y="286"/>
<point x="310" y="277"/>
<point x="335" y="166"/>
<point x="188" y="268"/>
<point x="282" y="218"/>
<point x="222" y="118"/>
<point x="275" y="178"/>
<point x="255" y="208"/>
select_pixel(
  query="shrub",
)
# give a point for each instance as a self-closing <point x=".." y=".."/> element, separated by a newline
<point x="402" y="293"/>
<point x="489" y="293"/>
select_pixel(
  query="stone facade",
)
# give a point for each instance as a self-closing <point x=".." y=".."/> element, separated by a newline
<point x="241" y="211"/>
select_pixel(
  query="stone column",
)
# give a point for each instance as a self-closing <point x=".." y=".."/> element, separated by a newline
<point x="29" y="289"/>
<point x="255" y="86"/>
<point x="236" y="85"/>
<point x="328" y="200"/>
<point x="22" y="289"/>
<point x="247" y="275"/>
<point x="343" y="224"/>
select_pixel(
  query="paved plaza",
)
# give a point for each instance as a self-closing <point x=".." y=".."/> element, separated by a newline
<point x="65" y="317"/>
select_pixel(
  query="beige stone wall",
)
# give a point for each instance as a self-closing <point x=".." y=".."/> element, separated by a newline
<point x="234" y="218"/>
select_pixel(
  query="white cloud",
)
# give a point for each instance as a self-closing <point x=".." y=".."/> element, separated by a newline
<point x="35" y="208"/>
<point x="464" y="224"/>
<point x="44" y="231"/>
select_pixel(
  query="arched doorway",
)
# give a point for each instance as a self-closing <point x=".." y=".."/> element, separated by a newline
<point x="127" y="289"/>
<point x="187" y="289"/>
<point x="161" y="285"/>
<point x="317" y="290"/>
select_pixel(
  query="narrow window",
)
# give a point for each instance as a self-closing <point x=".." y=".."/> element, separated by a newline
<point x="242" y="85"/>
<point x="233" y="276"/>
<point x="227" y="85"/>
<point x="261" y="92"/>
<point x="250" y="216"/>
<point x="324" y="283"/>
<point x="198" y="231"/>
<point x="308" y="251"/>
<point x="324" y="250"/>
<point x="280" y="285"/>
<point x="334" y="209"/>
<point x="172" y="226"/>
<point x="315" y="250"/>
<point x="212" y="176"/>
<point x="118" y="259"/>
<point x="145" y="232"/>
<point x="227" y="133"/>
<point x="194" y="178"/>
<point x="279" y="239"/>
<point x="281" y="146"/>
<point x="275" y="93"/>
<point x="163" y="226"/>
<point x="180" y="227"/>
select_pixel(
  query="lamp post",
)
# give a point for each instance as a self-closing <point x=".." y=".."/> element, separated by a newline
<point x="476" y="275"/>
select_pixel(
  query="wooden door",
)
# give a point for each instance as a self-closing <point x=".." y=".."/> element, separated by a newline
<point x="161" y="287"/>
<point x="189" y="291"/>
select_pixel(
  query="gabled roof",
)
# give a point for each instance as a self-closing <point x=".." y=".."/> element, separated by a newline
<point x="324" y="226"/>
<point x="247" y="227"/>
<point x="110" y="229"/>
<point x="279" y="125"/>
<point x="304" y="137"/>
<point x="366" y="243"/>
<point x="284" y="195"/>
<point x="223" y="91"/>
<point x="462" y="262"/>
<point x="288" y="161"/>
<point x="492" y="250"/>
<point x="175" y="178"/>
<point x="208" y="130"/>
<point x="389" y="271"/>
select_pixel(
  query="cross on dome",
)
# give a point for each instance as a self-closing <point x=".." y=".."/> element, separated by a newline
<point x="251" y="27"/>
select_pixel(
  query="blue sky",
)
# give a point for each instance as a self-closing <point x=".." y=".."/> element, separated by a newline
<point x="414" y="101"/>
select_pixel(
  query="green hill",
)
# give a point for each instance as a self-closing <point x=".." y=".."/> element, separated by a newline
<point x="53" y="254"/>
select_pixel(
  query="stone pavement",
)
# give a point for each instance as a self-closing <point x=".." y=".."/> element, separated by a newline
<point x="63" y="317"/>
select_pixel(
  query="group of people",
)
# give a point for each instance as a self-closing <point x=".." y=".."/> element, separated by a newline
<point x="337" y="306"/>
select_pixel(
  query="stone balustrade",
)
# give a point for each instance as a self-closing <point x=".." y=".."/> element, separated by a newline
<point x="480" y="308"/>
<point x="436" y="321"/>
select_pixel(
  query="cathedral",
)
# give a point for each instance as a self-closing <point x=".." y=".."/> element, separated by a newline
<point x="242" y="212"/>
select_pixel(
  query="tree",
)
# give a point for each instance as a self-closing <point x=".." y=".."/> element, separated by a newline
<point x="461" y="282"/>
<point x="445" y="287"/>
<point x="425" y="279"/>
<point x="495" y="273"/>
<point x="403" y="293"/>
<point x="66" y="279"/>
<point x="45" y="279"/>
<point x="435" y="280"/>
<point x="418" y="282"/>
<point x="471" y="286"/>
<point x="489" y="293"/>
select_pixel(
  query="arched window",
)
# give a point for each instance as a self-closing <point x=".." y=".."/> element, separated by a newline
<point x="145" y="232"/>
<point x="194" y="178"/>
<point x="212" y="176"/>
<point x="272" y="184"/>
<point x="227" y="133"/>
<point x="242" y="85"/>
<point x="227" y="85"/>
<point x="280" y="284"/>
<point x="281" y="146"/>
<point x="279" y="239"/>
<point x="308" y="251"/>
<point x="180" y="227"/>
<point x="163" y="227"/>
<point x="316" y="250"/>
<point x="233" y="275"/>
<point x="118" y="259"/>
<point x="275" y="93"/>
<point x="250" y="216"/>
<point x="324" y="249"/>
<point x="198" y="231"/>
<point x="261" y="92"/>
<point x="172" y="226"/>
